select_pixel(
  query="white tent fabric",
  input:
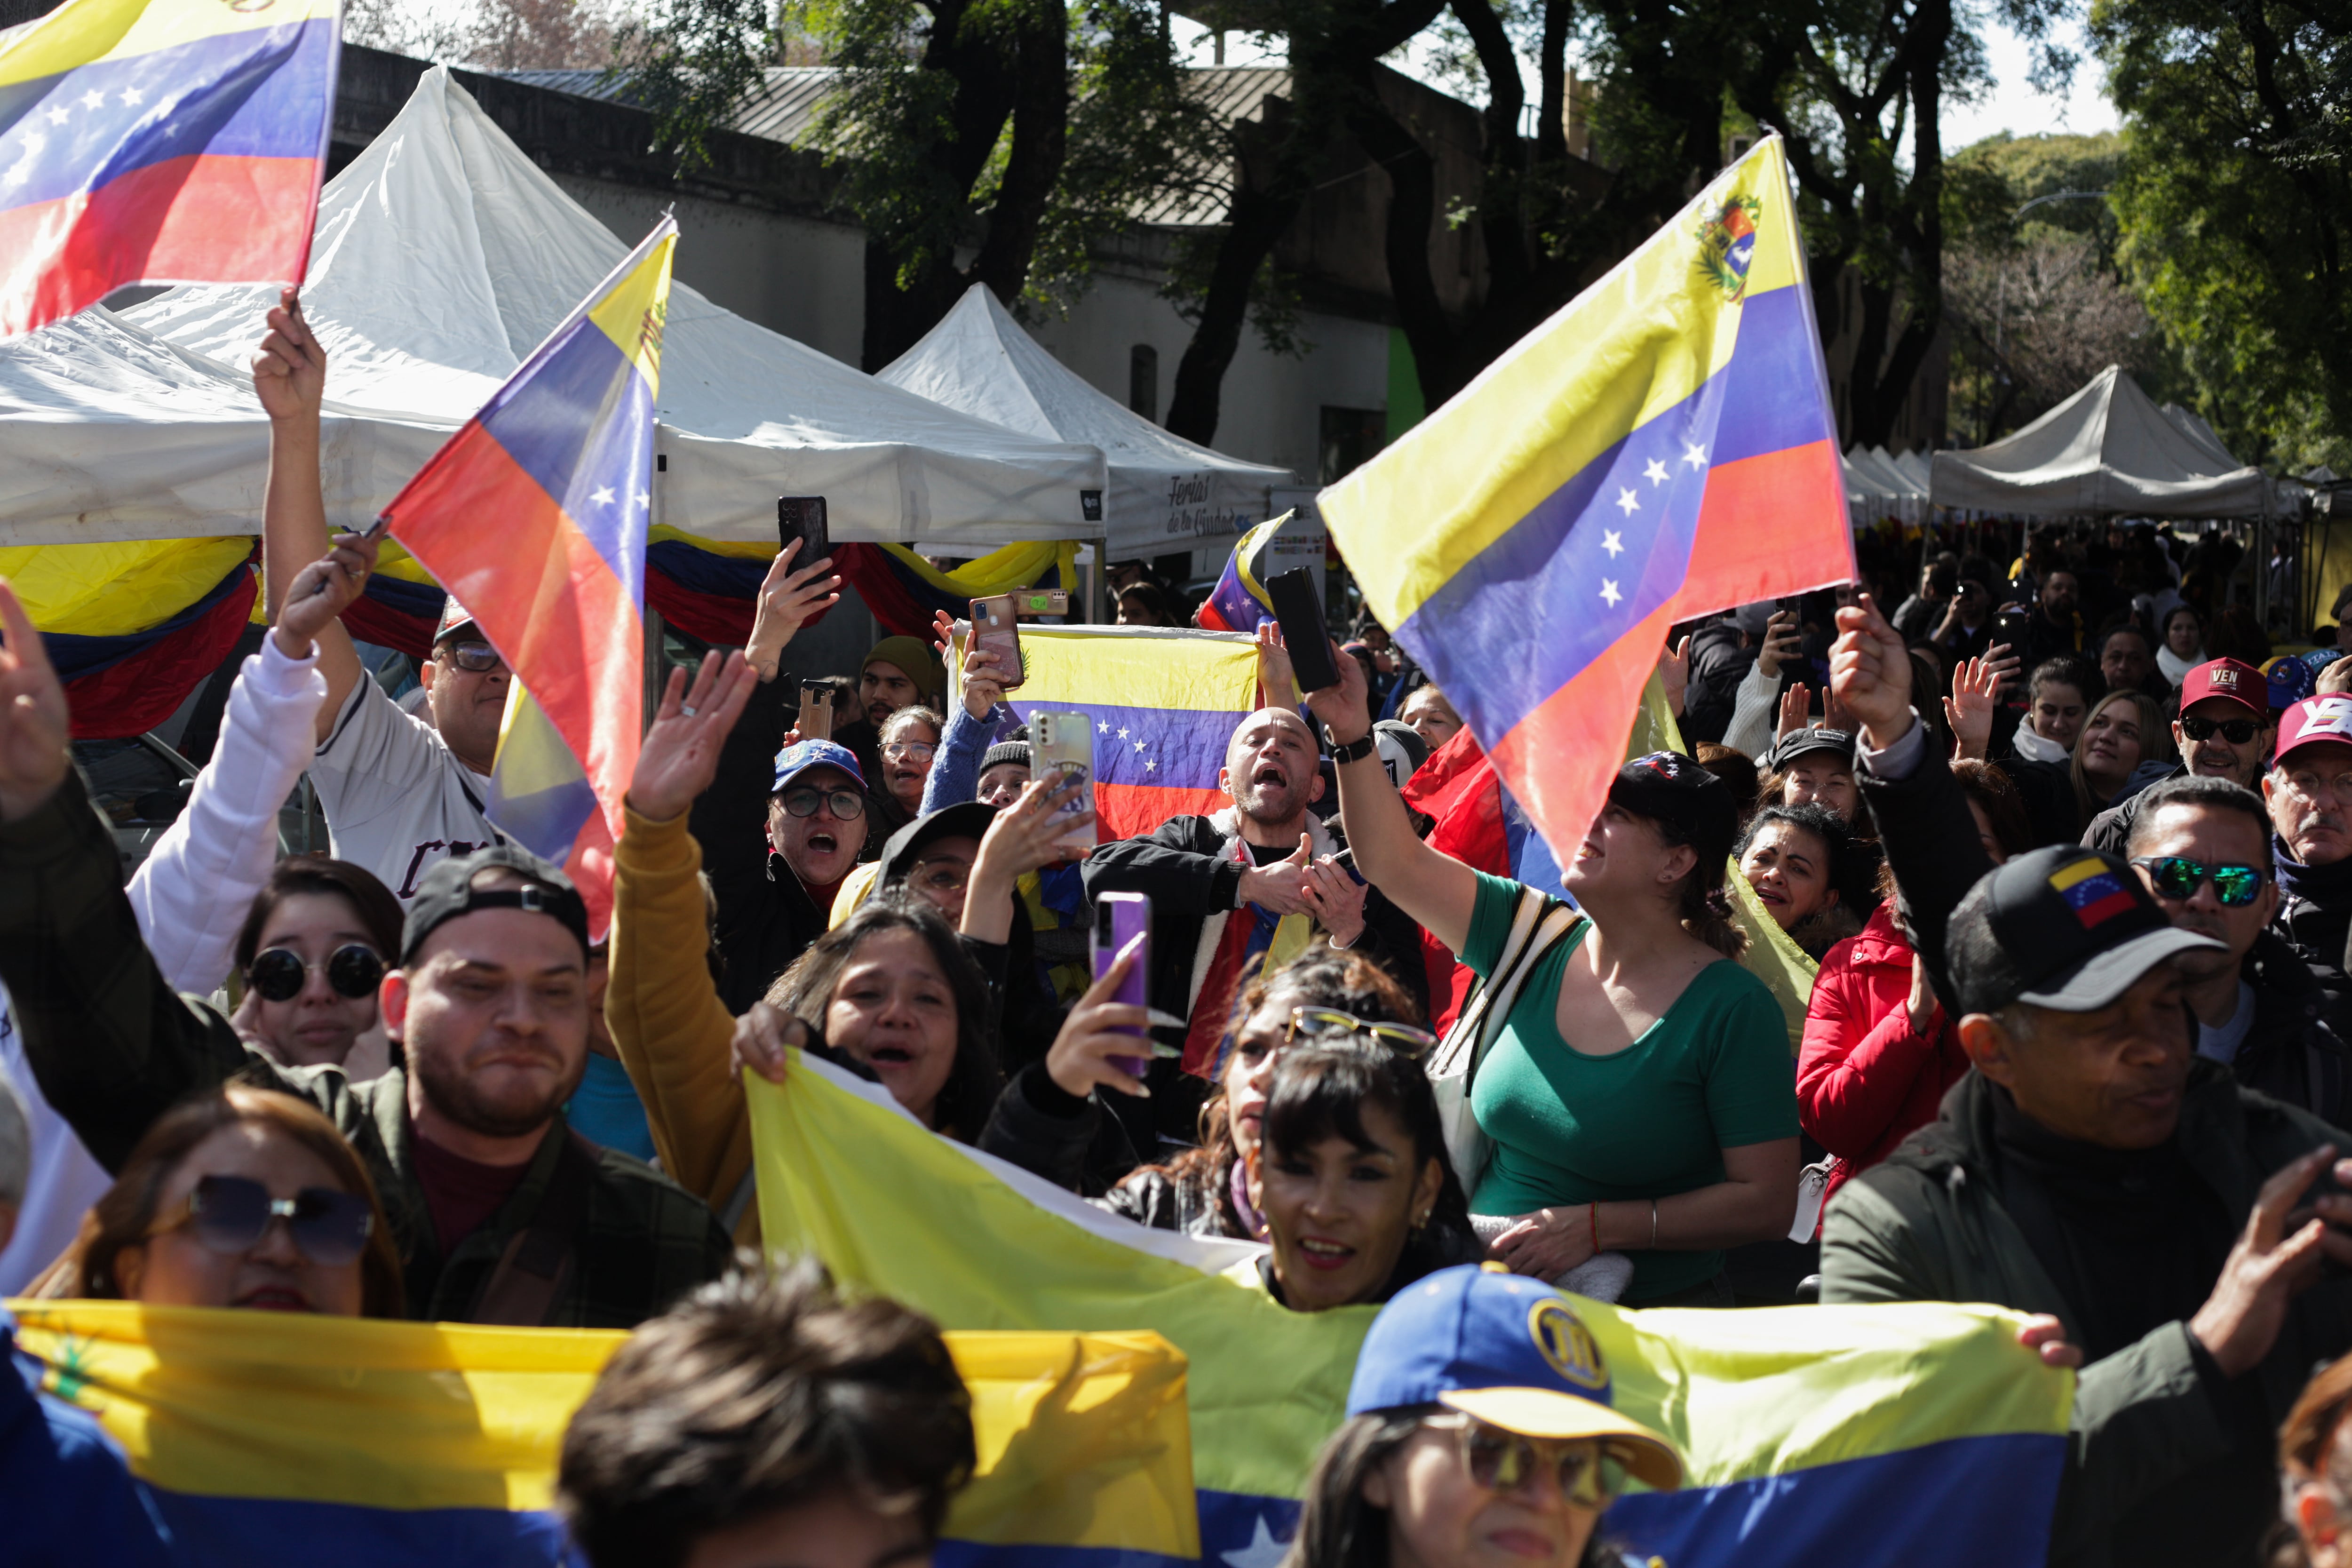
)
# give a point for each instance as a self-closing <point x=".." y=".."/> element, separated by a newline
<point x="2192" y="424"/>
<point x="1913" y="466"/>
<point x="1164" y="490"/>
<point x="1883" y="486"/>
<point x="2106" y="450"/>
<point x="445" y="255"/>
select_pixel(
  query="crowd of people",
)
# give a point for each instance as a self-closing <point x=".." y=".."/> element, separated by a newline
<point x="2070" y="855"/>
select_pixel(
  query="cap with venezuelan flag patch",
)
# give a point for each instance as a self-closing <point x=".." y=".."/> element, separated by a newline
<point x="2079" y="929"/>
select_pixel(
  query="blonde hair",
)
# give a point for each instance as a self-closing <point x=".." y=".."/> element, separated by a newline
<point x="2155" y="744"/>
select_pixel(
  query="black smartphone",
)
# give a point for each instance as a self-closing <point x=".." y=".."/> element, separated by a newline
<point x="2011" y="626"/>
<point x="1300" y="615"/>
<point x="802" y="517"/>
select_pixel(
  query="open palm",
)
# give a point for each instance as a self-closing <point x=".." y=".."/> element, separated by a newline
<point x="681" y="753"/>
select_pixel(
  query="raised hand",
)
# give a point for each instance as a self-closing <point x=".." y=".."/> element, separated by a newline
<point x="1673" y="675"/>
<point x="1280" y="888"/>
<point x="289" y="368"/>
<point x="1870" y="672"/>
<point x="1784" y="641"/>
<point x="681" y="753"/>
<point x="761" y="1037"/>
<point x="1273" y="668"/>
<point x="1099" y="1034"/>
<point x="982" y="690"/>
<point x="1334" y="898"/>
<point x="1796" y="711"/>
<point x="321" y="591"/>
<point x="1976" y="689"/>
<point x="2276" y="1258"/>
<point x="1346" y="709"/>
<point x="788" y="600"/>
<point x="36" y="730"/>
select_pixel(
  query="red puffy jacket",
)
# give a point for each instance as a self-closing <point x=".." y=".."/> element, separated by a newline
<point x="1863" y="1080"/>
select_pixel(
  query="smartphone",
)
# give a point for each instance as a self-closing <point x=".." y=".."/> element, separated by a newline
<point x="1119" y="919"/>
<point x="1300" y="615"/>
<point x="1064" y="743"/>
<point x="996" y="628"/>
<point x="2012" y="626"/>
<point x="802" y="517"/>
<point x="1032" y="604"/>
<point x="817" y="710"/>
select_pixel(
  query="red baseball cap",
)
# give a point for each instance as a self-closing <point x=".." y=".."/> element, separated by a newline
<point x="2315" y="721"/>
<point x="2241" y="683"/>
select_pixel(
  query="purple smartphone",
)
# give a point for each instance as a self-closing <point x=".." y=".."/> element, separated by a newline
<point x="1119" y="919"/>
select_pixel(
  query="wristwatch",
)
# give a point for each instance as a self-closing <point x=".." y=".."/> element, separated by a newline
<point x="1355" y="750"/>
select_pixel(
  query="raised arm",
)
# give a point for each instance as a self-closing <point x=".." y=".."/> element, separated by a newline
<point x="1437" y="890"/>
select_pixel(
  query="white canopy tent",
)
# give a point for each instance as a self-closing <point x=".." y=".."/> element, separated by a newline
<point x="2106" y="450"/>
<point x="1164" y="490"/>
<point x="2193" y="426"/>
<point x="1912" y="466"/>
<point x="445" y="255"/>
<point x="1875" y="482"/>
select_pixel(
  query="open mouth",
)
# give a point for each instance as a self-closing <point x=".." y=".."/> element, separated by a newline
<point x="275" y="1299"/>
<point x="890" y="1056"/>
<point x="1768" y="895"/>
<point x="1317" y="1253"/>
<point x="1269" y="775"/>
<point x="823" y="844"/>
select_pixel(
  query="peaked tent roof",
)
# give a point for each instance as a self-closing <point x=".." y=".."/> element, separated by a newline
<point x="2105" y="449"/>
<point x="1163" y="488"/>
<point x="444" y="257"/>
<point x="2193" y="426"/>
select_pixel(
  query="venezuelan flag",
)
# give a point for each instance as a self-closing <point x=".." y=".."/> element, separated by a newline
<point x="1239" y="600"/>
<point x="159" y="141"/>
<point x="1661" y="448"/>
<point x="371" y="1444"/>
<point x="1920" y="1434"/>
<point x="1164" y="703"/>
<point x="535" y="514"/>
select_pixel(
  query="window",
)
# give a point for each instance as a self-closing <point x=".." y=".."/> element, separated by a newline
<point x="1350" y="436"/>
<point x="1143" y="381"/>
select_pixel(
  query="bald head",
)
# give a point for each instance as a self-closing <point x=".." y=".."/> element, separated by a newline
<point x="1271" y="774"/>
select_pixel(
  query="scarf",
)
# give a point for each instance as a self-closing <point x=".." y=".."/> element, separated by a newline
<point x="2330" y="887"/>
<point x="2173" y="666"/>
<point x="2035" y="748"/>
<point x="1232" y="951"/>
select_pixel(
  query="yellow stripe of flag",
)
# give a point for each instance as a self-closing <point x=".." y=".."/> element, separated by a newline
<point x="634" y="309"/>
<point x="81" y="32"/>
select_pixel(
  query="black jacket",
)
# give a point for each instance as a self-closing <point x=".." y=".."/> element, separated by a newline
<point x="2111" y="829"/>
<point x="2294" y="1053"/>
<point x="1720" y="661"/>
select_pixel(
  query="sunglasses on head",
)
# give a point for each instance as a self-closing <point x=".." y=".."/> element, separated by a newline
<point x="2237" y="731"/>
<point x="1330" y="1024"/>
<point x="2177" y="877"/>
<point x="473" y="658"/>
<point x="1587" y="1473"/>
<point x="847" y="804"/>
<point x="229" y="1215"/>
<point x="354" y="970"/>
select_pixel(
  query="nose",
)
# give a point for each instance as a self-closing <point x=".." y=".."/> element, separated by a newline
<point x="277" y="1243"/>
<point x="315" y="989"/>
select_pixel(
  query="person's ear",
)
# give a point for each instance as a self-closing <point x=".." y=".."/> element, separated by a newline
<point x="1377" y="1490"/>
<point x="427" y="673"/>
<point x="1425" y="1191"/>
<point x="130" y="1267"/>
<point x="1681" y="861"/>
<point x="1314" y="790"/>
<point x="1988" y="1046"/>
<point x="391" y="1002"/>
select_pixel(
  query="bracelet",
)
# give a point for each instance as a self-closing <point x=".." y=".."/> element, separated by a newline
<point x="1654" y="1224"/>
<point x="1592" y="1216"/>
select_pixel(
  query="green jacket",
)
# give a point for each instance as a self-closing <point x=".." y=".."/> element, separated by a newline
<point x="2156" y="1424"/>
<point x="114" y="1048"/>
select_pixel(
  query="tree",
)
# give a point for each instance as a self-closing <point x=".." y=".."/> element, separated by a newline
<point x="2047" y="317"/>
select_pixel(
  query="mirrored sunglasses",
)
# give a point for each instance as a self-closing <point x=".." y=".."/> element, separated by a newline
<point x="229" y="1215"/>
<point x="1586" y="1472"/>
<point x="2177" y="877"/>
<point x="353" y="969"/>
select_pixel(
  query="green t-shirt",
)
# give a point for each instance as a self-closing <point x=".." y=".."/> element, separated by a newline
<point x="1649" y="1120"/>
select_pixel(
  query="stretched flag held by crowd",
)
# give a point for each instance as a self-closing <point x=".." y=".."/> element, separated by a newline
<point x="1807" y="1429"/>
<point x="1661" y="448"/>
<point x="387" y="1445"/>
<point x="160" y="141"/>
<point x="535" y="516"/>
<point x="1239" y="601"/>
<point x="1162" y="702"/>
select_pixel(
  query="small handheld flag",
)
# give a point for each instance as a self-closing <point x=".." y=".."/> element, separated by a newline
<point x="160" y="141"/>
<point x="1661" y="448"/>
<point x="535" y="516"/>
<point x="1239" y="600"/>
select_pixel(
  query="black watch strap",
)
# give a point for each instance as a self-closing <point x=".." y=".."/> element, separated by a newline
<point x="1355" y="750"/>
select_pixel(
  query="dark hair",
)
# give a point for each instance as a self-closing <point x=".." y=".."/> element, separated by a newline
<point x="2189" y="789"/>
<point x="2068" y="669"/>
<point x="1156" y="602"/>
<point x="1336" y="1528"/>
<point x="1988" y="786"/>
<point x="125" y="1216"/>
<point x="805" y="991"/>
<point x="2164" y="625"/>
<point x="2119" y="629"/>
<point x="1735" y="768"/>
<point x="378" y="911"/>
<point x="753" y="1395"/>
<point x="1849" y="865"/>
<point x="1705" y="907"/>
<point x="1321" y="1090"/>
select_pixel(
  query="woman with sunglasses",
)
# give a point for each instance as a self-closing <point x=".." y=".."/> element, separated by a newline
<point x="240" y="1197"/>
<point x="1480" y="1433"/>
<point x="311" y="954"/>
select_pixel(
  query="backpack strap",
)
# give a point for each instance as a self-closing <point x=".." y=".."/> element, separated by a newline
<point x="542" y="1257"/>
<point x="1537" y="925"/>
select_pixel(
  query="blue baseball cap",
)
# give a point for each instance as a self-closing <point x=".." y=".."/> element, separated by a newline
<point x="2290" y="680"/>
<point x="1507" y="1350"/>
<point x="794" y="761"/>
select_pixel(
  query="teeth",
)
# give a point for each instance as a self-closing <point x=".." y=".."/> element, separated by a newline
<point x="1324" y="1249"/>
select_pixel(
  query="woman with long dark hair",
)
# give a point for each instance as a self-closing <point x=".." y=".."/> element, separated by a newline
<point x="312" y="951"/>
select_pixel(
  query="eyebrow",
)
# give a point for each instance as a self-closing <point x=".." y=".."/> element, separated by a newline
<point x="484" y="967"/>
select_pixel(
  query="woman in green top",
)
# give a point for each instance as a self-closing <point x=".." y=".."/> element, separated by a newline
<point x="1641" y="1098"/>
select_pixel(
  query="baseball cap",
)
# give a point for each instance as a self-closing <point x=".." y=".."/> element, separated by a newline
<point x="1672" y="788"/>
<point x="2315" y="721"/>
<point x="2239" y="683"/>
<point x="2290" y="680"/>
<point x="448" y="890"/>
<point x="454" y="617"/>
<point x="2078" y="926"/>
<point x="796" y="760"/>
<point x="1508" y="1350"/>
<point x="1812" y="738"/>
<point x="1755" y="619"/>
<point x="965" y="819"/>
<point x="1401" y="750"/>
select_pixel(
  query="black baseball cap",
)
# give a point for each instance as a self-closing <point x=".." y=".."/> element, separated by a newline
<point x="448" y="890"/>
<point x="965" y="819"/>
<point x="1669" y="787"/>
<point x="2077" y="928"/>
<point x="1812" y="738"/>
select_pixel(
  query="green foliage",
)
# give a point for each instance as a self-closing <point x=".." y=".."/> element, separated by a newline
<point x="692" y="66"/>
<point x="1986" y="183"/>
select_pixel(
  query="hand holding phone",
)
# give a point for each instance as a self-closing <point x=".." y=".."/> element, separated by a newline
<point x="1121" y="920"/>
<point x="1303" y="631"/>
<point x="996" y="629"/>
<point x="1063" y="744"/>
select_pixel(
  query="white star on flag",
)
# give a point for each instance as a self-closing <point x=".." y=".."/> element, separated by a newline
<point x="601" y="495"/>
<point x="1630" y="501"/>
<point x="1263" y="1552"/>
<point x="58" y="116"/>
<point x="1612" y="542"/>
<point x="132" y="98"/>
<point x="1694" y="454"/>
<point x="643" y="499"/>
<point x="1103" y="726"/>
<point x="1609" y="593"/>
<point x="1656" y="473"/>
<point x="94" y="100"/>
<point x="1138" y="745"/>
<point x="1150" y="765"/>
<point x="1122" y="734"/>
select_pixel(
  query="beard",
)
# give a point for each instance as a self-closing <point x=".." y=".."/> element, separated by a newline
<point x="451" y="1091"/>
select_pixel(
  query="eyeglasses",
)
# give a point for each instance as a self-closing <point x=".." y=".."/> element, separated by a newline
<point x="229" y="1215"/>
<point x="1330" y="1024"/>
<point x="2311" y="786"/>
<point x="475" y="658"/>
<point x="2237" y="731"/>
<point x="847" y="804"/>
<point x="913" y="751"/>
<point x="1588" y="1473"/>
<point x="353" y="969"/>
<point x="2177" y="877"/>
<point x="938" y="876"/>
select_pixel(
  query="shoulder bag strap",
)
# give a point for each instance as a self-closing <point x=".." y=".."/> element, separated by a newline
<point x="1464" y="1034"/>
<point x="543" y="1256"/>
<point x="1559" y="922"/>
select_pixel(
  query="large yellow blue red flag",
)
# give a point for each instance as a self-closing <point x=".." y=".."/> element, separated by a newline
<point x="1240" y="601"/>
<point x="369" y="1444"/>
<point x="535" y="515"/>
<point x="1661" y="448"/>
<point x="1813" y="1434"/>
<point x="160" y="141"/>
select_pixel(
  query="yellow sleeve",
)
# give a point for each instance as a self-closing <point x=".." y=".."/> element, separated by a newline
<point x="675" y="1035"/>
